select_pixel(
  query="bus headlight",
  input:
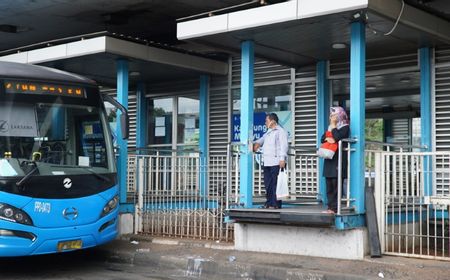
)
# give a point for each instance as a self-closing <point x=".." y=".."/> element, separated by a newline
<point x="13" y="214"/>
<point x="111" y="205"/>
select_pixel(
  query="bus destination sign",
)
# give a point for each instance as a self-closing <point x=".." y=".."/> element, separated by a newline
<point x="22" y="87"/>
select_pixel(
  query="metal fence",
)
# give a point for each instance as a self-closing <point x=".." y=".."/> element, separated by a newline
<point x="303" y="174"/>
<point x="180" y="196"/>
<point x="413" y="214"/>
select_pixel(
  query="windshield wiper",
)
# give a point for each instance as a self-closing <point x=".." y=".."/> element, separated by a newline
<point x="27" y="176"/>
<point x="100" y="176"/>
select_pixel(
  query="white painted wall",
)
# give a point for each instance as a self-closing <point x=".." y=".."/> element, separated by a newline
<point x="307" y="241"/>
<point x="314" y="8"/>
<point x="262" y="16"/>
<point x="126" y="222"/>
<point x="119" y="47"/>
<point x="265" y="15"/>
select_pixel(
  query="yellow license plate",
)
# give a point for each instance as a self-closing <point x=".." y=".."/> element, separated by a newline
<point x="70" y="245"/>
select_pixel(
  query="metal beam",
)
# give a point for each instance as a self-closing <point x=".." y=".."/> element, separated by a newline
<point x="246" y="161"/>
<point x="412" y="17"/>
<point x="425" y="114"/>
<point x="121" y="48"/>
<point x="141" y="120"/>
<point x="323" y="103"/>
<point x="122" y="98"/>
<point x="357" y="112"/>
<point x="203" y="142"/>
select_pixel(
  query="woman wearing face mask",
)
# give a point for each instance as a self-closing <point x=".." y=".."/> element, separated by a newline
<point x="339" y="128"/>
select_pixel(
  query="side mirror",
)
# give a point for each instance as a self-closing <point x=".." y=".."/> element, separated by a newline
<point x="124" y="119"/>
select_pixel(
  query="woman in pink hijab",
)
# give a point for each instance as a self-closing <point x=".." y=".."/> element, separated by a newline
<point x="339" y="128"/>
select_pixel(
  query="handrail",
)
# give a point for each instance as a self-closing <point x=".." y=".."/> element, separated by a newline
<point x="236" y="144"/>
<point x="401" y="146"/>
<point x="302" y="149"/>
<point x="227" y="177"/>
<point x="339" y="194"/>
<point x="154" y="149"/>
<point x="305" y="167"/>
<point x="228" y="170"/>
<point x="349" y="150"/>
<point x="295" y="148"/>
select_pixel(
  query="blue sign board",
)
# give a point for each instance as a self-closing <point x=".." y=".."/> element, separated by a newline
<point x="259" y="126"/>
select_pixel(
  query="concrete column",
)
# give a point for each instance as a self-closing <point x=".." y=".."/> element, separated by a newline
<point x="357" y="112"/>
<point x="323" y="105"/>
<point x="246" y="161"/>
<point x="141" y="120"/>
<point x="425" y="112"/>
<point x="122" y="98"/>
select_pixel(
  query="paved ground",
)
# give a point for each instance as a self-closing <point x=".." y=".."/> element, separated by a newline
<point x="80" y="265"/>
<point x="136" y="257"/>
<point x="205" y="260"/>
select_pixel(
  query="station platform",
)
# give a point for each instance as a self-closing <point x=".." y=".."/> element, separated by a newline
<point x="300" y="228"/>
<point x="303" y="215"/>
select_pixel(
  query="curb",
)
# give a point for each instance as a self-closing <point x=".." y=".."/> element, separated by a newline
<point x="186" y="243"/>
<point x="202" y="268"/>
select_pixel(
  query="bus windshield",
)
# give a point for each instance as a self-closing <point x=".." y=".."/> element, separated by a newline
<point x="53" y="139"/>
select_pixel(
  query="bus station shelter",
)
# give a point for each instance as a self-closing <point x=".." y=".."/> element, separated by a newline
<point x="197" y="103"/>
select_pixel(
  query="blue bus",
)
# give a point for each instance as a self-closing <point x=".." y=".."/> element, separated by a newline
<point x="58" y="185"/>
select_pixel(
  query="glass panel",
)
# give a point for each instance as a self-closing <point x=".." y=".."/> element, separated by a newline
<point x="267" y="99"/>
<point x="188" y="120"/>
<point x="53" y="139"/>
<point x="416" y="132"/>
<point x="160" y="125"/>
<point x="188" y="150"/>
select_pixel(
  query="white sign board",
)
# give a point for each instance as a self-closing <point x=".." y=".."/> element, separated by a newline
<point x="18" y="121"/>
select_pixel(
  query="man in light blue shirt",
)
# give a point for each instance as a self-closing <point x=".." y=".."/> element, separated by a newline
<point x="275" y="148"/>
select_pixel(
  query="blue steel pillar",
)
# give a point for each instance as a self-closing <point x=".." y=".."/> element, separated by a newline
<point x="323" y="104"/>
<point x="122" y="98"/>
<point x="425" y="112"/>
<point x="246" y="167"/>
<point x="58" y="123"/>
<point x="357" y="113"/>
<point x="203" y="145"/>
<point x="141" y="120"/>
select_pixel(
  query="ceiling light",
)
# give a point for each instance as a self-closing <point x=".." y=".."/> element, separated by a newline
<point x="371" y="87"/>
<point x="134" y="73"/>
<point x="338" y="46"/>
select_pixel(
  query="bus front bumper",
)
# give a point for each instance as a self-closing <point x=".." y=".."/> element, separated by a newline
<point x="22" y="240"/>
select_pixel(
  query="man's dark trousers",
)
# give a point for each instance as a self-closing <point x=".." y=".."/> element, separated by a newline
<point x="270" y="182"/>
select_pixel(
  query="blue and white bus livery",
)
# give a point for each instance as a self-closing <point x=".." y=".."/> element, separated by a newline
<point x="58" y="185"/>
